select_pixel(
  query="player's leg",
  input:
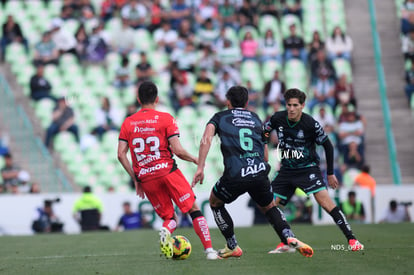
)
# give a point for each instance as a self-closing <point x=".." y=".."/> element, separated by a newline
<point x="181" y="193"/>
<point x="201" y="228"/>
<point x="324" y="200"/>
<point x="225" y="224"/>
<point x="156" y="195"/>
<point x="282" y="190"/>
<point x="261" y="194"/>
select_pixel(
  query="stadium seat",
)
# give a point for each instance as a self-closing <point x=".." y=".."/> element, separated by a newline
<point x="267" y="22"/>
<point x="342" y="66"/>
<point x="269" y="67"/>
<point x="252" y="30"/>
<point x="288" y="20"/>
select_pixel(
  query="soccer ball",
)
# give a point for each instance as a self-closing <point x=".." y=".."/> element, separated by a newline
<point x="181" y="248"/>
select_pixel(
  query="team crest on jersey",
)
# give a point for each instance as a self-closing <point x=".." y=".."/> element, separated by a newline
<point x="300" y="134"/>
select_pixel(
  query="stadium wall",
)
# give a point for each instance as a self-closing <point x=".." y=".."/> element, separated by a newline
<point x="18" y="212"/>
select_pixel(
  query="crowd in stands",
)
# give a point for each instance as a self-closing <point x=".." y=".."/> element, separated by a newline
<point x="406" y="13"/>
<point x="210" y="46"/>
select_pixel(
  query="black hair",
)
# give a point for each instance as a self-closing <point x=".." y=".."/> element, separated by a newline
<point x="87" y="189"/>
<point x="351" y="193"/>
<point x="147" y="92"/>
<point x="295" y="93"/>
<point x="8" y="155"/>
<point x="393" y="204"/>
<point x="238" y="96"/>
<point x="365" y="168"/>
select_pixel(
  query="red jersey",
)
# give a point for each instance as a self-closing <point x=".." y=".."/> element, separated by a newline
<point x="147" y="133"/>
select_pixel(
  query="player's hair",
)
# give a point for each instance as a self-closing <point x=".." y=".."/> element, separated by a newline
<point x="147" y="92"/>
<point x="238" y="96"/>
<point x="295" y="93"/>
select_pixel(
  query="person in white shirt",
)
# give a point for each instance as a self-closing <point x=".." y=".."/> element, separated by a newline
<point x="63" y="39"/>
<point x="396" y="213"/>
<point x="136" y="13"/>
<point x="107" y="118"/>
<point x="122" y="40"/>
<point x="339" y="45"/>
<point x="165" y="37"/>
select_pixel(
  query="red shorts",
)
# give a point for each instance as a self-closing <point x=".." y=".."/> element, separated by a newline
<point x="163" y="190"/>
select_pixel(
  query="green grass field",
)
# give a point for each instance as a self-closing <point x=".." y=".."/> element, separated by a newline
<point x="388" y="250"/>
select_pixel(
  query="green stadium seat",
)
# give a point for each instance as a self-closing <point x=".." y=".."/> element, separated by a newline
<point x="267" y="22"/>
<point x="54" y="7"/>
<point x="342" y="66"/>
<point x="244" y="30"/>
<point x="143" y="40"/>
<point x="269" y="67"/>
<point x="288" y="20"/>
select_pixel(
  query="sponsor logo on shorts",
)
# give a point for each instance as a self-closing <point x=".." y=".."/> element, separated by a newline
<point x="183" y="198"/>
<point x="312" y="176"/>
<point x="252" y="169"/>
<point x="159" y="166"/>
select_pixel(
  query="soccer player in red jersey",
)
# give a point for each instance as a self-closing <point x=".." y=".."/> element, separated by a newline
<point x="152" y="138"/>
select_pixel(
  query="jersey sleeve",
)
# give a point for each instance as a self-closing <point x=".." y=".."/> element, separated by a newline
<point x="267" y="128"/>
<point x="320" y="135"/>
<point x="123" y="134"/>
<point x="214" y="121"/>
<point x="172" y="127"/>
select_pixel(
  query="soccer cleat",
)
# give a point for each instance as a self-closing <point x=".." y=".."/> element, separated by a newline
<point x="227" y="253"/>
<point x="302" y="247"/>
<point x="211" y="254"/>
<point x="166" y="245"/>
<point x="355" y="245"/>
<point x="282" y="248"/>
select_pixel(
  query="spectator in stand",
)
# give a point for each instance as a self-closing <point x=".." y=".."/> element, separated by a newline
<point x="179" y="11"/>
<point x="344" y="92"/>
<point x="339" y="45"/>
<point x="108" y="8"/>
<point x="82" y="41"/>
<point x="322" y="63"/>
<point x="314" y="46"/>
<point x="185" y="33"/>
<point x="273" y="93"/>
<point x="10" y="173"/>
<point x="181" y="92"/>
<point x="206" y="10"/>
<point x="63" y="39"/>
<point x="224" y="83"/>
<point x="165" y="37"/>
<point x="39" y="86"/>
<point x="292" y="7"/>
<point x="45" y="51"/>
<point x="12" y="33"/>
<point x="325" y="119"/>
<point x="66" y="13"/>
<point x="4" y="142"/>
<point x="227" y="15"/>
<point x="207" y="34"/>
<point x="34" y="188"/>
<point x="407" y="46"/>
<point x="253" y="102"/>
<point x="323" y="89"/>
<point x="353" y="208"/>
<point x="228" y="55"/>
<point x="207" y="59"/>
<point x="122" y="40"/>
<point x="107" y="119"/>
<point x="203" y="89"/>
<point x="409" y="83"/>
<point x="157" y="15"/>
<point x="294" y="46"/>
<point x="407" y="8"/>
<point x="365" y="180"/>
<point x="396" y="213"/>
<point x="351" y="136"/>
<point x="249" y="47"/>
<point x="136" y="13"/>
<point x="143" y="69"/>
<point x="269" y="48"/>
<point x="63" y="119"/>
<point x="122" y="74"/>
<point x="268" y="7"/>
<point x="407" y="24"/>
<point x="185" y="59"/>
<point x="248" y="14"/>
<point x="130" y="220"/>
<point x="97" y="48"/>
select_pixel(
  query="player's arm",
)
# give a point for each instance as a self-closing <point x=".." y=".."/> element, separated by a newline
<point x="179" y="150"/>
<point x="329" y="154"/>
<point x="266" y="153"/>
<point x="205" y="145"/>
<point x="122" y="157"/>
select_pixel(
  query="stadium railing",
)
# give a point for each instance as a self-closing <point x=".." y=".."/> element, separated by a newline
<point x="392" y="152"/>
